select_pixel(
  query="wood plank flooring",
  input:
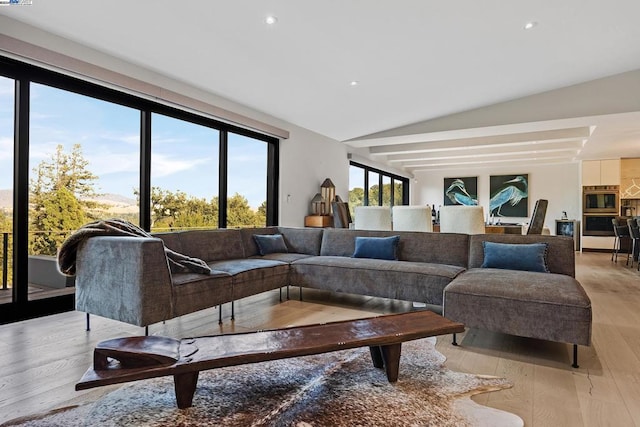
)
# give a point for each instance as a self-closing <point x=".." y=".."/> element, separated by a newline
<point x="42" y="359"/>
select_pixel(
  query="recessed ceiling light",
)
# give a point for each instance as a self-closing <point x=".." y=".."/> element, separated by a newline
<point x="529" y="25"/>
<point x="354" y="83"/>
<point x="271" y="19"/>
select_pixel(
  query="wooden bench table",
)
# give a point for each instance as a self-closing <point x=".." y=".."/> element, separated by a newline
<point x="135" y="358"/>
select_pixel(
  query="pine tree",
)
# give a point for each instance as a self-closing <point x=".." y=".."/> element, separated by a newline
<point x="60" y="199"/>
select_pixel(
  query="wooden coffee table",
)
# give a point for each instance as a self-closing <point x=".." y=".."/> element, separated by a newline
<point x="136" y="358"/>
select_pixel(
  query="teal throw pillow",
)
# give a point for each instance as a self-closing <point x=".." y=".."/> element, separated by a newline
<point x="270" y="243"/>
<point x="524" y="257"/>
<point x="377" y="247"/>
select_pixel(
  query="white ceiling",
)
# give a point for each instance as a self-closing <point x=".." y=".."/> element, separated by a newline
<point x="435" y="77"/>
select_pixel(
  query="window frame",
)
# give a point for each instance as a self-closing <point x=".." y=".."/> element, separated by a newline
<point x="23" y="74"/>
<point x="381" y="173"/>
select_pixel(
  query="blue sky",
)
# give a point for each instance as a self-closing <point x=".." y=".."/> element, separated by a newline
<point x="184" y="155"/>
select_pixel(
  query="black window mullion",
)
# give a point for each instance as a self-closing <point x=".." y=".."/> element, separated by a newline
<point x="222" y="181"/>
<point x="392" y="192"/>
<point x="365" y="202"/>
<point x="273" y="172"/>
<point x="145" y="170"/>
<point x="380" y="190"/>
<point x="21" y="192"/>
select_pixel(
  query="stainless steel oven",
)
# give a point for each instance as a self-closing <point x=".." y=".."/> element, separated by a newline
<point x="597" y="224"/>
<point x="600" y="199"/>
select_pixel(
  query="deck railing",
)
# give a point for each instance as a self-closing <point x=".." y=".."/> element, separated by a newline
<point x="5" y="260"/>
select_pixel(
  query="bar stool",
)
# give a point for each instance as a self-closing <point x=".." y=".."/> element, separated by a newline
<point x="634" y="233"/>
<point x="620" y="230"/>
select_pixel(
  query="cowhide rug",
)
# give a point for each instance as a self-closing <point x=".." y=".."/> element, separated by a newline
<point x="335" y="389"/>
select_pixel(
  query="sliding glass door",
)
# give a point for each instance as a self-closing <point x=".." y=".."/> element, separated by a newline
<point x="7" y="100"/>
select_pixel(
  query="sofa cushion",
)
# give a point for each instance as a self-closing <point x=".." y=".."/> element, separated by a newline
<point x="302" y="240"/>
<point x="211" y="245"/>
<point x="377" y="247"/>
<point x="538" y="305"/>
<point x="410" y="281"/>
<point x="270" y="243"/>
<point x="192" y="292"/>
<point x="519" y="256"/>
<point x="251" y="276"/>
<point x="288" y="257"/>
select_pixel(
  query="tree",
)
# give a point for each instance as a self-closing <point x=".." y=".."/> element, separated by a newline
<point x="240" y="214"/>
<point x="58" y="212"/>
<point x="61" y="197"/>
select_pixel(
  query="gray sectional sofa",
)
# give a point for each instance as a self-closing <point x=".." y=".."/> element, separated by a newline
<point x="128" y="279"/>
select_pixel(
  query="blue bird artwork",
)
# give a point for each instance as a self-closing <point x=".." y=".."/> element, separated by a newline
<point x="509" y="193"/>
<point x="458" y="194"/>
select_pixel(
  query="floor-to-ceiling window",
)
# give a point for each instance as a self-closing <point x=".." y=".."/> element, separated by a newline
<point x="74" y="151"/>
<point x="184" y="174"/>
<point x="84" y="165"/>
<point x="6" y="188"/>
<point x="374" y="187"/>
<point x="246" y="182"/>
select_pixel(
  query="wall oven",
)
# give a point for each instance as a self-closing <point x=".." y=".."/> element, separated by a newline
<point x="598" y="224"/>
<point x="600" y="199"/>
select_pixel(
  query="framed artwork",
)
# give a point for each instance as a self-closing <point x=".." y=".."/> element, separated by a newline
<point x="509" y="195"/>
<point x="461" y="191"/>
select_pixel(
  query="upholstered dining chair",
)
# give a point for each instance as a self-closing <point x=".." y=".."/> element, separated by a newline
<point x="412" y="218"/>
<point x="634" y="233"/>
<point x="536" y="225"/>
<point x="621" y="231"/>
<point x="462" y="219"/>
<point x="372" y="218"/>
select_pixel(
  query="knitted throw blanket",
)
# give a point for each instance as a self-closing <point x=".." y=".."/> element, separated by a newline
<point x="178" y="263"/>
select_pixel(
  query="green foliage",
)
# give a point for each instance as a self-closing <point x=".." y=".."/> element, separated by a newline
<point x="240" y="214"/>
<point x="58" y="212"/>
<point x="62" y="195"/>
<point x="177" y="210"/>
<point x="60" y="199"/>
<point x="356" y="196"/>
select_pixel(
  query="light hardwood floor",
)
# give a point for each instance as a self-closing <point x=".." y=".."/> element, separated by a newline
<point x="41" y="359"/>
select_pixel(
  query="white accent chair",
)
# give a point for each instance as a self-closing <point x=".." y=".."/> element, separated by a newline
<point x="462" y="219"/>
<point x="372" y="218"/>
<point x="412" y="218"/>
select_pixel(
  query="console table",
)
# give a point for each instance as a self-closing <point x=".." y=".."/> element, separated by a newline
<point x="319" y="221"/>
<point x="494" y="229"/>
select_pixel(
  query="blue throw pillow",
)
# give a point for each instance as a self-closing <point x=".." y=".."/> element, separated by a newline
<point x="377" y="247"/>
<point x="270" y="243"/>
<point x="524" y="257"/>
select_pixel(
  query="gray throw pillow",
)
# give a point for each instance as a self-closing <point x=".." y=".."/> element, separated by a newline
<point x="270" y="243"/>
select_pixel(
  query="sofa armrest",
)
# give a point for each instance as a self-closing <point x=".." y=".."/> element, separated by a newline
<point x="125" y="279"/>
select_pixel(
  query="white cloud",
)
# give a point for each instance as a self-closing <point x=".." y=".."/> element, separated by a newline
<point x="162" y="165"/>
<point x="127" y="138"/>
<point x="104" y="163"/>
<point x="6" y="148"/>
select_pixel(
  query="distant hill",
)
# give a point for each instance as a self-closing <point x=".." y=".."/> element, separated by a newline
<point x="6" y="199"/>
<point x="116" y="202"/>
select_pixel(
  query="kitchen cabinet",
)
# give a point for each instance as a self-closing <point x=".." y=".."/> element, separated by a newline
<point x="601" y="172"/>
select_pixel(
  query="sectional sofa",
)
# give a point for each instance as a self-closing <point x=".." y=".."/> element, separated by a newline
<point x="128" y="278"/>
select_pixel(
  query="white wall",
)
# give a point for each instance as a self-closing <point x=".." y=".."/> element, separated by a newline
<point x="560" y="184"/>
<point x="306" y="160"/>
